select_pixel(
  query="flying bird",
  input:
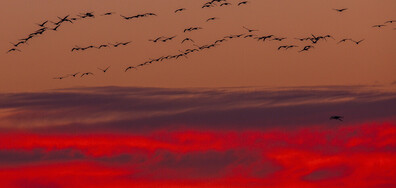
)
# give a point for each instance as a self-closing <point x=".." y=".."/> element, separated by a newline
<point x="86" y="74"/>
<point x="13" y="50"/>
<point x="358" y="42"/>
<point x="243" y="3"/>
<point x="306" y="48"/>
<point x="131" y="67"/>
<point x="225" y="4"/>
<point x="18" y="43"/>
<point x="156" y="39"/>
<point x="340" y="10"/>
<point x="43" y="24"/>
<point x="339" y="118"/>
<point x="343" y="40"/>
<point x="211" y="19"/>
<point x="108" y="13"/>
<point x="379" y="26"/>
<point x="180" y="10"/>
<point x="75" y="74"/>
<point x="249" y="30"/>
<point x="187" y="39"/>
<point x="104" y="70"/>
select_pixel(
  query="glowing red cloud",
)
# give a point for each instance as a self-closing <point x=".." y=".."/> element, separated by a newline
<point x="351" y="156"/>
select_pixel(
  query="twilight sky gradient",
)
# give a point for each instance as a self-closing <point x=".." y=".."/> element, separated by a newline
<point x="242" y="114"/>
<point x="236" y="63"/>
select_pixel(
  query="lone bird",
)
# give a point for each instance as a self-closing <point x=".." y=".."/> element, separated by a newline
<point x="104" y="70"/>
<point x="130" y="67"/>
<point x="358" y="42"/>
<point x="86" y="74"/>
<point x="13" y="50"/>
<point x="211" y="19"/>
<point x="340" y="10"/>
<point x="339" y="118"/>
<point x="180" y="10"/>
<point x="379" y="26"/>
<point x="187" y="39"/>
<point x="243" y="3"/>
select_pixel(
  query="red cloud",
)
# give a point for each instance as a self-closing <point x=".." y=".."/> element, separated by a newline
<point x="350" y="156"/>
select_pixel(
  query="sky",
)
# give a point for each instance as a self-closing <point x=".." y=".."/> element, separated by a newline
<point x="240" y="114"/>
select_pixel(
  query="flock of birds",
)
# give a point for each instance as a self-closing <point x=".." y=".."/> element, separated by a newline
<point x="45" y="27"/>
<point x="309" y="42"/>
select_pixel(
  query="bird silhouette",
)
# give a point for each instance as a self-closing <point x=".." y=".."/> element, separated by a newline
<point x="86" y="74"/>
<point x="279" y="39"/>
<point x="180" y="10"/>
<point x="13" y="50"/>
<point x="56" y="28"/>
<point x="43" y="24"/>
<point x="104" y="70"/>
<point x="108" y="13"/>
<point x="340" y="10"/>
<point x="339" y="118"/>
<point x="18" y="43"/>
<point x="156" y="39"/>
<point x="343" y="40"/>
<point x="225" y="4"/>
<point x="243" y="3"/>
<point x="306" y="48"/>
<point x="75" y="74"/>
<point x="358" y="42"/>
<point x="60" y="78"/>
<point x="211" y="19"/>
<point x="187" y="39"/>
<point x="130" y="67"/>
<point x="379" y="26"/>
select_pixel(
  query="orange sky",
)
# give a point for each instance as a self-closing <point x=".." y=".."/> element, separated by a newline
<point x="236" y="63"/>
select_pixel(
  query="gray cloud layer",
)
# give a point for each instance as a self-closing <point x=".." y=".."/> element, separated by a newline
<point x="147" y="109"/>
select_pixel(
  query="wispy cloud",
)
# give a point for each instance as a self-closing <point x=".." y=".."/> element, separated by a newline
<point x="147" y="109"/>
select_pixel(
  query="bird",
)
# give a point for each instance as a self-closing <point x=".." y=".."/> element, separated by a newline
<point x="18" y="43"/>
<point x="358" y="42"/>
<point x="104" y="70"/>
<point x="243" y="3"/>
<point x="211" y="19"/>
<point x="280" y="47"/>
<point x="86" y="74"/>
<point x="249" y="30"/>
<point x="75" y="74"/>
<point x="75" y="48"/>
<point x="390" y="21"/>
<point x="180" y="10"/>
<point x="187" y="39"/>
<point x="169" y="38"/>
<point x="156" y="39"/>
<point x="43" y="24"/>
<point x="343" y="40"/>
<point x="103" y="46"/>
<point x="108" y="13"/>
<point x="279" y="39"/>
<point x="126" y="17"/>
<point x="56" y="28"/>
<point x="306" y="48"/>
<point x="291" y="46"/>
<point x="379" y="26"/>
<point x="339" y="118"/>
<point x="130" y="67"/>
<point x="60" y="78"/>
<point x="13" y="50"/>
<point x="340" y="10"/>
<point x="225" y="4"/>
